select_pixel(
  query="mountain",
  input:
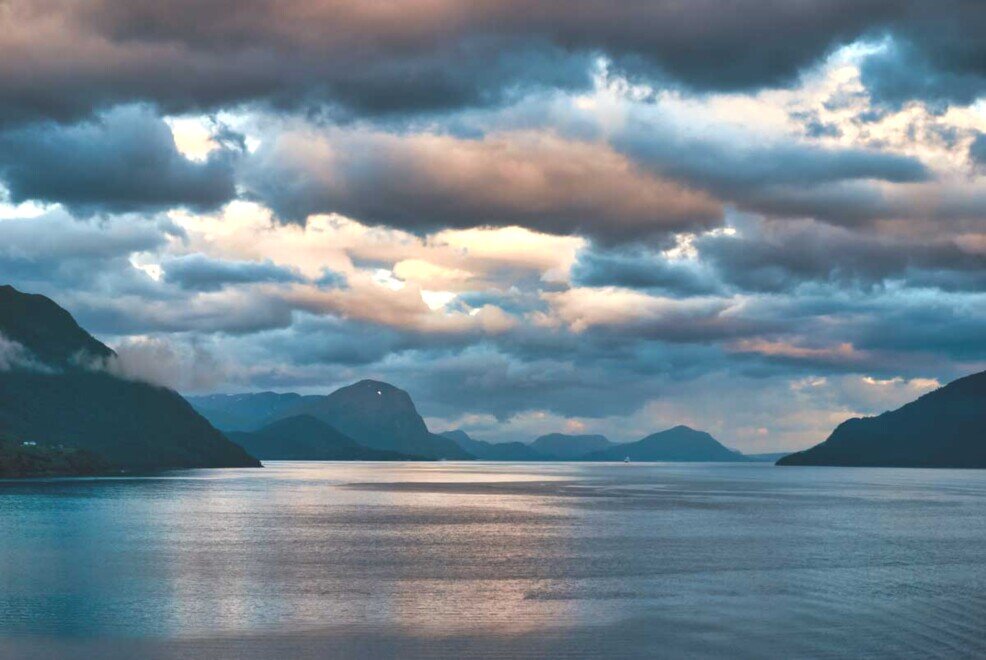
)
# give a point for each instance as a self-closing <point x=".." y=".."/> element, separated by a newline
<point x="48" y="331"/>
<point x="244" y="412"/>
<point x="770" y="457"/>
<point x="379" y="416"/>
<point x="676" y="444"/>
<point x="492" y="451"/>
<point x="944" y="429"/>
<point x="54" y="391"/>
<point x="305" y="438"/>
<point x="569" y="447"/>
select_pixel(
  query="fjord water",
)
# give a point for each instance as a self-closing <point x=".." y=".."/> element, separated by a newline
<point x="484" y="559"/>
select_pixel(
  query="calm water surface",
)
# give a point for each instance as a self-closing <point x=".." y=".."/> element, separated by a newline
<point x="496" y="560"/>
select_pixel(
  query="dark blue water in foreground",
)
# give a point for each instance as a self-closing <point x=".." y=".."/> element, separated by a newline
<point x="503" y="560"/>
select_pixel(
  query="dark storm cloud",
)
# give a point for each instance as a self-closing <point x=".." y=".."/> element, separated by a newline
<point x="242" y="313"/>
<point x="201" y="273"/>
<point x="495" y="380"/>
<point x="642" y="269"/>
<point x="683" y="329"/>
<point x="936" y="53"/>
<point x="779" y="176"/>
<point x="704" y="42"/>
<point x="895" y="328"/>
<point x="334" y="342"/>
<point x="431" y="54"/>
<point x="781" y="255"/>
<point x="655" y="177"/>
<point x="426" y="181"/>
<point x="57" y="254"/>
<point x="903" y="73"/>
<point x="57" y="236"/>
<point x="196" y="56"/>
<point x="124" y="160"/>
<point x="934" y="325"/>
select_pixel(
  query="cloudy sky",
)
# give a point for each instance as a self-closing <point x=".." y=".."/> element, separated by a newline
<point x="755" y="217"/>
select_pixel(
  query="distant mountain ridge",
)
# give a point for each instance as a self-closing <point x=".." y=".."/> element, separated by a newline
<point x="569" y="447"/>
<point x="305" y="438"/>
<point x="62" y="398"/>
<point x="375" y="414"/>
<point x="943" y="429"/>
<point x="380" y="416"/>
<point x="245" y="412"/>
<point x="678" y="444"/>
<point x="493" y="451"/>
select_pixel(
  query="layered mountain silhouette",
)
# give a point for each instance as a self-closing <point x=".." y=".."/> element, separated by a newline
<point x="376" y="415"/>
<point x="55" y="391"/>
<point x="379" y="416"/>
<point x="245" y="412"/>
<point x="493" y="451"/>
<point x="563" y="447"/>
<point x="943" y="429"/>
<point x="679" y="444"/>
<point x="303" y="437"/>
<point x="63" y="410"/>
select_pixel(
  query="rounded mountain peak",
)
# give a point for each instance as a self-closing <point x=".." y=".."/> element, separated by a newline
<point x="374" y="393"/>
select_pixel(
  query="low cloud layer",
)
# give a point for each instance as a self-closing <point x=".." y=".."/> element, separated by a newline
<point x="14" y="356"/>
<point x="155" y="360"/>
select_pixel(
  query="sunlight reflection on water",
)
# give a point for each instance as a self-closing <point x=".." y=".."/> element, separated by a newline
<point x="473" y="558"/>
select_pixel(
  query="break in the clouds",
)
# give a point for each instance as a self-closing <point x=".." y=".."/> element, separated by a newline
<point x="758" y="218"/>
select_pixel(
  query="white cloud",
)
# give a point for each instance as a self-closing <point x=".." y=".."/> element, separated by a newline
<point x="14" y="356"/>
<point x="161" y="361"/>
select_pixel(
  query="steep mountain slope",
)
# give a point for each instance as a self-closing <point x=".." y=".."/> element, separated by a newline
<point x="379" y="416"/>
<point x="569" y="447"/>
<point x="680" y="443"/>
<point x="55" y="393"/>
<point x="44" y="328"/>
<point x="945" y="428"/>
<point x="492" y="451"/>
<point x="305" y="438"/>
